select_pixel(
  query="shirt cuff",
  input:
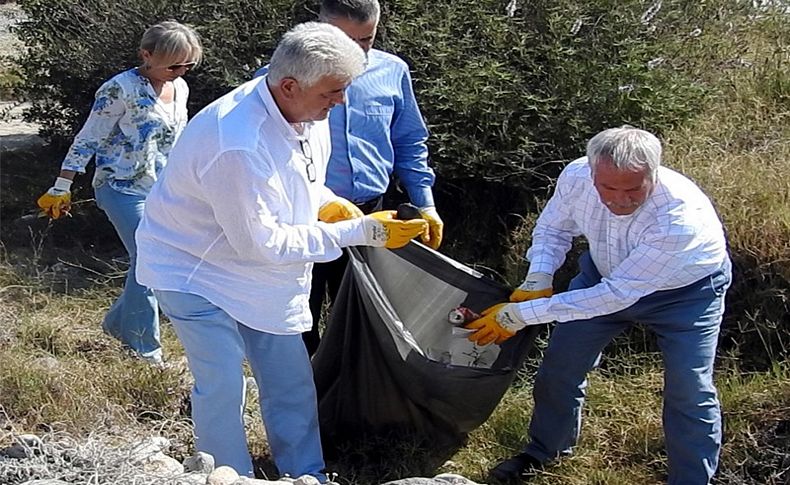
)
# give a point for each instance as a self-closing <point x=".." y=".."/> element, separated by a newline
<point x="421" y="196"/>
<point x="538" y="265"/>
<point x="534" y="312"/>
<point x="346" y="233"/>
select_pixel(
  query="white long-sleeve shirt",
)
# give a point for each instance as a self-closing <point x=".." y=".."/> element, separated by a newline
<point x="674" y="239"/>
<point x="234" y="216"/>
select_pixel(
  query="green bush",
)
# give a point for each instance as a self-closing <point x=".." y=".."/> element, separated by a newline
<point x="503" y="95"/>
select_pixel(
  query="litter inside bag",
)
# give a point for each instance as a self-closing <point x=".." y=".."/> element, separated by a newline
<point x="391" y="364"/>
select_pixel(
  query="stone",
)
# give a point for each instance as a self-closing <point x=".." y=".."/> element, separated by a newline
<point x="443" y="479"/>
<point x="199" y="462"/>
<point x="191" y="479"/>
<point x="160" y="464"/>
<point x="148" y="447"/>
<point x="223" y="475"/>
<point x="45" y="482"/>
<point x="306" y="480"/>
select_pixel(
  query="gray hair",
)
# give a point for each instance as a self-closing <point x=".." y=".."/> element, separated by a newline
<point x="313" y="50"/>
<point x="172" y="41"/>
<point x="357" y="10"/>
<point x="627" y="148"/>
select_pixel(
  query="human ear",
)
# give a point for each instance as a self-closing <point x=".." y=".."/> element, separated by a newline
<point x="289" y="87"/>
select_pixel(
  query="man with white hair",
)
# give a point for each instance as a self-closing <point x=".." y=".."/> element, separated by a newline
<point x="657" y="256"/>
<point x="229" y="237"/>
<point x="378" y="132"/>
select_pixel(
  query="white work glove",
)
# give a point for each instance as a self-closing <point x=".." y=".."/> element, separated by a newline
<point x="536" y="285"/>
<point x="57" y="200"/>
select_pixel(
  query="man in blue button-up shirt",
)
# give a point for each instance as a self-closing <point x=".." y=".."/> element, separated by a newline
<point x="377" y="132"/>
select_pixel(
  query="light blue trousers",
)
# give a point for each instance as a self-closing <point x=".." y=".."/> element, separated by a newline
<point x="686" y="321"/>
<point x="134" y="317"/>
<point x="216" y="346"/>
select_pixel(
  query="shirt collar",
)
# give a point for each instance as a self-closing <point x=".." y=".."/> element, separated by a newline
<point x="274" y="111"/>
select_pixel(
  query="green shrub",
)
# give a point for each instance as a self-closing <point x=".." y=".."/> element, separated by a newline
<point x="503" y="95"/>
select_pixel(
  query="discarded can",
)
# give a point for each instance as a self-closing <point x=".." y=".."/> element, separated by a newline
<point x="462" y="315"/>
<point x="407" y="212"/>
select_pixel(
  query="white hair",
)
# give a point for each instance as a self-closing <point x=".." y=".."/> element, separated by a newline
<point x="313" y="50"/>
<point x="626" y="148"/>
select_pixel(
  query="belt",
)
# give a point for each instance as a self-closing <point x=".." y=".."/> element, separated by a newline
<point x="372" y="205"/>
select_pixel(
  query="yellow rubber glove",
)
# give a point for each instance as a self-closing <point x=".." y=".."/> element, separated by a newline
<point x="56" y="202"/>
<point x="535" y="285"/>
<point x="435" y="226"/>
<point x="383" y="229"/>
<point x="338" y="210"/>
<point x="497" y="324"/>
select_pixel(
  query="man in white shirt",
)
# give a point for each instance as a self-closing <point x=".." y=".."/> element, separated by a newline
<point x="229" y="237"/>
<point x="657" y="256"/>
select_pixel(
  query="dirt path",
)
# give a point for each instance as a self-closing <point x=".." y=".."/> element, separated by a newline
<point x="11" y="111"/>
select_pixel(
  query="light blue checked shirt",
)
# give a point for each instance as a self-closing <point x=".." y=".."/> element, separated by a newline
<point x="377" y="132"/>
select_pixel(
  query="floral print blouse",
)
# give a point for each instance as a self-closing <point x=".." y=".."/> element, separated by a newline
<point x="129" y="133"/>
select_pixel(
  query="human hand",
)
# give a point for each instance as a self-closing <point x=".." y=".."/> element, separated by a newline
<point x="535" y="285"/>
<point x="497" y="324"/>
<point x="338" y="210"/>
<point x="56" y="202"/>
<point x="383" y="229"/>
<point x="435" y="227"/>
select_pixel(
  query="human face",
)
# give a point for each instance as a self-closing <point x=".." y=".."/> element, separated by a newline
<point x="312" y="103"/>
<point x="158" y="68"/>
<point x="622" y="191"/>
<point x="363" y="33"/>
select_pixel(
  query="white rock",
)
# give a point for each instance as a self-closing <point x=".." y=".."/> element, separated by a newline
<point x="223" y="475"/>
<point x="443" y="479"/>
<point x="191" y="479"/>
<point x="160" y="464"/>
<point x="306" y="480"/>
<point x="30" y="440"/>
<point x="454" y="479"/>
<point x="257" y="481"/>
<point x="199" y="462"/>
<point x="45" y="482"/>
<point x="148" y="447"/>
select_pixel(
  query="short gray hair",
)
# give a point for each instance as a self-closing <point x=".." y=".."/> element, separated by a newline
<point x="172" y="41"/>
<point x="313" y="50"/>
<point x="627" y="148"/>
<point x="357" y="10"/>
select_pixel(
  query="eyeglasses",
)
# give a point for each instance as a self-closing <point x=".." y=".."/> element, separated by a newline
<point x="175" y="67"/>
<point x="308" y="154"/>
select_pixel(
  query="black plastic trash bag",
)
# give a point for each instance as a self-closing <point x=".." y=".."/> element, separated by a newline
<point x="391" y="365"/>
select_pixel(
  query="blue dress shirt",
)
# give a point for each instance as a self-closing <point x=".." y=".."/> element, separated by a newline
<point x="377" y="132"/>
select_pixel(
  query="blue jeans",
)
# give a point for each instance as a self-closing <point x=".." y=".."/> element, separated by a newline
<point x="216" y="346"/>
<point x="134" y="317"/>
<point x="686" y="321"/>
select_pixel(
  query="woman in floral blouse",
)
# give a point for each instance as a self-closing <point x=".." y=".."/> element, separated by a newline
<point x="135" y="120"/>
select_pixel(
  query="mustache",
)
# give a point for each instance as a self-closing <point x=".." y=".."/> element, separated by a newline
<point x="626" y="206"/>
